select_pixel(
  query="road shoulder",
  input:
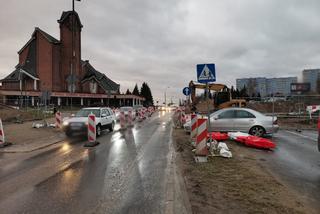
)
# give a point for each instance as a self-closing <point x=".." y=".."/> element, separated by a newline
<point x="237" y="185"/>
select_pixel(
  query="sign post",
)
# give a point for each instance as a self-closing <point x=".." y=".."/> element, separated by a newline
<point x="206" y="73"/>
<point x="186" y="91"/>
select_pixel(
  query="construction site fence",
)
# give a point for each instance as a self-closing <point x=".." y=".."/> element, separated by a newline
<point x="65" y="104"/>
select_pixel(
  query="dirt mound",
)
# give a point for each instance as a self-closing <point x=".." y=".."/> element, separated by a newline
<point x="9" y="114"/>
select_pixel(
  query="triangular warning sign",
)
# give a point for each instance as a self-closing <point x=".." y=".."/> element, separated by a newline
<point x="206" y="74"/>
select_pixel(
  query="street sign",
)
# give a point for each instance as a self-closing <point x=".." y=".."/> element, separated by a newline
<point x="186" y="91"/>
<point x="206" y="73"/>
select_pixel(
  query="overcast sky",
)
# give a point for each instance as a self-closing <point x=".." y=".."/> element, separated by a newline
<point x="161" y="42"/>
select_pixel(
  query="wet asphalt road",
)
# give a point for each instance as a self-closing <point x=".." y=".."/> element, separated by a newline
<point x="296" y="162"/>
<point x="126" y="173"/>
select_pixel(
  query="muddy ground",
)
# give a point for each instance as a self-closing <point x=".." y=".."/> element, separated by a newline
<point x="236" y="185"/>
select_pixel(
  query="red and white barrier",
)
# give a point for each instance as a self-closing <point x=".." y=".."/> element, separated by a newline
<point x="92" y="132"/>
<point x="141" y="115"/>
<point x="58" y="120"/>
<point x="122" y="120"/>
<point x="129" y="118"/>
<point x="313" y="108"/>
<point x="183" y="118"/>
<point x="201" y="143"/>
<point x="2" y="139"/>
<point x="150" y="111"/>
<point x="194" y="127"/>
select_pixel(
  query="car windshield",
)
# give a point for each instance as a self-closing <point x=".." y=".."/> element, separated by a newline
<point x="126" y="108"/>
<point x="86" y="112"/>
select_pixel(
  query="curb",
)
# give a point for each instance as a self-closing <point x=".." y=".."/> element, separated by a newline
<point x="32" y="150"/>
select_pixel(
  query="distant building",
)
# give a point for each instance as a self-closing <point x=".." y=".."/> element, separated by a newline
<point x="312" y="76"/>
<point x="266" y="86"/>
<point x="48" y="66"/>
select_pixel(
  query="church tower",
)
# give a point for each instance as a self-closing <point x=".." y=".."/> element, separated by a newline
<point x="70" y="52"/>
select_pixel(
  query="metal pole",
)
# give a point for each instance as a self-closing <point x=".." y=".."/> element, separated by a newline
<point x="272" y="114"/>
<point x="208" y="105"/>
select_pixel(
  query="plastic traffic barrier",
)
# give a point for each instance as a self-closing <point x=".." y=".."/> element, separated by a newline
<point x="194" y="127"/>
<point x="129" y="119"/>
<point x="218" y="136"/>
<point x="2" y="139"/>
<point x="58" y="120"/>
<point x="234" y="135"/>
<point x="256" y="142"/>
<point x="201" y="143"/>
<point x="92" y="132"/>
<point x="122" y="120"/>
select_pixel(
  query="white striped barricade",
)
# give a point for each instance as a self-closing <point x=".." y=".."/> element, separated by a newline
<point x="58" y="120"/>
<point x="145" y="111"/>
<point x="140" y="115"/>
<point x="149" y="111"/>
<point x="201" y="142"/>
<point x="92" y="131"/>
<point x="3" y="142"/>
<point x="122" y="120"/>
<point x="194" y="128"/>
<point x="183" y="118"/>
<point x="129" y="119"/>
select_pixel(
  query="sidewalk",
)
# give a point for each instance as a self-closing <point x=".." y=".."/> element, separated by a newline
<point x="24" y="138"/>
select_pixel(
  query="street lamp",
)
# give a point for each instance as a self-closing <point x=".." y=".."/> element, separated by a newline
<point x="165" y="96"/>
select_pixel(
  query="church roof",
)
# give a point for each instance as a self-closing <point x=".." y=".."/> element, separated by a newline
<point x="66" y="14"/>
<point x="106" y="83"/>
<point x="48" y="37"/>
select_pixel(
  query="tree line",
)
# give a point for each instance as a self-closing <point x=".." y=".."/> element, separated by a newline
<point x="144" y="91"/>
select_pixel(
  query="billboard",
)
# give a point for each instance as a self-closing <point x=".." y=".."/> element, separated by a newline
<point x="300" y="87"/>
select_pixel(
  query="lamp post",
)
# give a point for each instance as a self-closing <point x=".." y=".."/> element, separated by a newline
<point x="165" y="96"/>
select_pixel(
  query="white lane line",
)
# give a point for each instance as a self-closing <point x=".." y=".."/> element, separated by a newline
<point x="301" y="135"/>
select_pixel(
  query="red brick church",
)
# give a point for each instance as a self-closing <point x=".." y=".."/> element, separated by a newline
<point x="52" y="69"/>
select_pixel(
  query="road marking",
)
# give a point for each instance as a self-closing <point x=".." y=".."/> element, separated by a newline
<point x="303" y="136"/>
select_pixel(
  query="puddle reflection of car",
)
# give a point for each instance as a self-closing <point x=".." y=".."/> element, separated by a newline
<point x="78" y="124"/>
<point x="240" y="119"/>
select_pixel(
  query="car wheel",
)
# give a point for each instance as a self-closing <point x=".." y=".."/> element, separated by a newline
<point x="257" y="131"/>
<point x="111" y="127"/>
<point x="98" y="130"/>
<point x="69" y="134"/>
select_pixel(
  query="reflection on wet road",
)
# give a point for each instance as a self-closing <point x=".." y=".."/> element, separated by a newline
<point x="124" y="174"/>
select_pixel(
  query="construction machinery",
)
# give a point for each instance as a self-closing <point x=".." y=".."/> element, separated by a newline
<point x="215" y="97"/>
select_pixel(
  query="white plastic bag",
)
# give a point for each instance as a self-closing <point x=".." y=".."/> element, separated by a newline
<point x="225" y="153"/>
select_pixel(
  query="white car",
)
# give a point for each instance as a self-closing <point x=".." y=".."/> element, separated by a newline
<point x="105" y="119"/>
<point x="126" y="110"/>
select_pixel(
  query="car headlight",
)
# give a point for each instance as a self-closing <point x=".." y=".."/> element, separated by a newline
<point x="65" y="123"/>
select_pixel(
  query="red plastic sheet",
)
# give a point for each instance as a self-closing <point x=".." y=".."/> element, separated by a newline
<point x="257" y="142"/>
<point x="218" y="136"/>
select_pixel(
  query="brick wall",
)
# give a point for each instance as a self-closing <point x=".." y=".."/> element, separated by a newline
<point x="44" y="62"/>
<point x="66" y="51"/>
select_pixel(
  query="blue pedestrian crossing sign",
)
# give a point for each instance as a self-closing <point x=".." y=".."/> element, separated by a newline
<point x="186" y="91"/>
<point x="206" y="73"/>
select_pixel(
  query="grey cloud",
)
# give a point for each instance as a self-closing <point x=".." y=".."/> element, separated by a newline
<point x="161" y="42"/>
